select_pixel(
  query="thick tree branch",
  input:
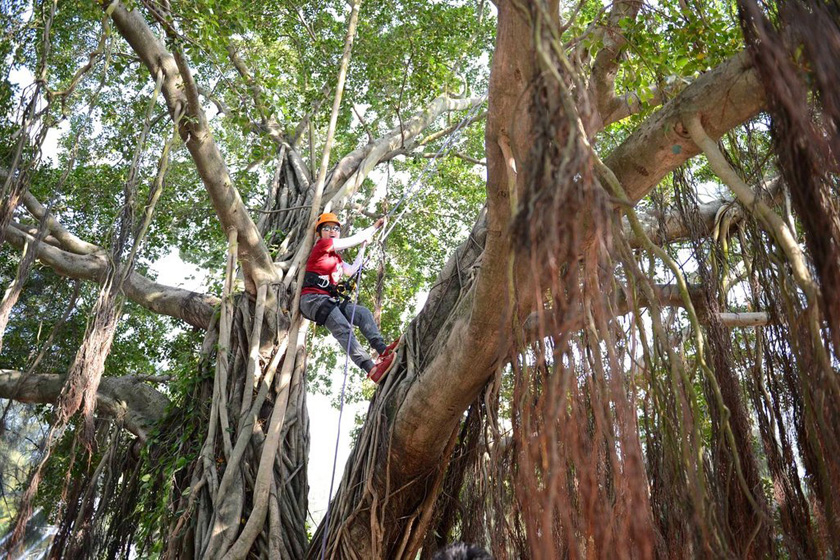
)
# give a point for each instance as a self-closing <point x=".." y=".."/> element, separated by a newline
<point x="126" y="399"/>
<point x="724" y="97"/>
<point x="355" y="166"/>
<point x="191" y="307"/>
<point x="667" y="295"/>
<point x="476" y="343"/>
<point x="428" y="139"/>
<point x="744" y="319"/>
<point x="670" y="226"/>
<point x="464" y="331"/>
<point x="68" y="241"/>
<point x="181" y="96"/>
<point x="605" y="66"/>
<point x="622" y="106"/>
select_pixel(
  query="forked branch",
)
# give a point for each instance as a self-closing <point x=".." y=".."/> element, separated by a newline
<point x="725" y="97"/>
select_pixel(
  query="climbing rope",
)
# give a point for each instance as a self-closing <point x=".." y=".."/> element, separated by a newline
<point x="358" y="276"/>
<point x="411" y="192"/>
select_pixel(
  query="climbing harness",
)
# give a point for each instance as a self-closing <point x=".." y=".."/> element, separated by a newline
<point x="339" y="294"/>
<point x="322" y="281"/>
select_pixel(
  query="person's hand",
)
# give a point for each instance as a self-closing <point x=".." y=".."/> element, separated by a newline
<point x="379" y="223"/>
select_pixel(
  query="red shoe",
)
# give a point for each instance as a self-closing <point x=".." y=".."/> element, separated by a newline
<point x="391" y="347"/>
<point x="382" y="367"/>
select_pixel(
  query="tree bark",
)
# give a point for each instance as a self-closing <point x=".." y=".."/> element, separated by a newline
<point x="472" y="326"/>
<point x="191" y="307"/>
<point x="445" y="371"/>
<point x="671" y="226"/>
<point x="724" y="97"/>
<point x="125" y="399"/>
<point x="451" y="349"/>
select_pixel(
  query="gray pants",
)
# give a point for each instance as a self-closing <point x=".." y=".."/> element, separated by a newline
<point x="338" y="323"/>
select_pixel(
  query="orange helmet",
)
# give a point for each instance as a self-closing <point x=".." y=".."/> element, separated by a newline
<point x="326" y="218"/>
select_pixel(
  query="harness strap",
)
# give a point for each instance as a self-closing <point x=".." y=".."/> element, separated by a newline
<point x="341" y="291"/>
<point x="315" y="280"/>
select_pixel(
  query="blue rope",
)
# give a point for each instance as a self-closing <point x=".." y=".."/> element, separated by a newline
<point x="408" y="196"/>
<point x="358" y="276"/>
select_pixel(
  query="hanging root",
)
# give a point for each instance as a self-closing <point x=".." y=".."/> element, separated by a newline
<point x="742" y="506"/>
<point x="85" y="372"/>
<point x="576" y="495"/>
<point x="797" y="60"/>
<point x="798" y="65"/>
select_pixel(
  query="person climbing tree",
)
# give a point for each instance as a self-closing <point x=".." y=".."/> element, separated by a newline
<point x="325" y="299"/>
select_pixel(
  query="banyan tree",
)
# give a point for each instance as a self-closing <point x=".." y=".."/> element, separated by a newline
<point x="621" y="220"/>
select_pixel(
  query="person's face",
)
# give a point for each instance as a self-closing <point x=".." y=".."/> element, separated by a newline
<point x="330" y="230"/>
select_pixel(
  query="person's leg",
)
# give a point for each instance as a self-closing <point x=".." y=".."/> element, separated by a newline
<point x="363" y="319"/>
<point x="340" y="328"/>
<point x="310" y="303"/>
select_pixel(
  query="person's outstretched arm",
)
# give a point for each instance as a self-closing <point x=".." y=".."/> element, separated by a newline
<point x="351" y="269"/>
<point x="364" y="236"/>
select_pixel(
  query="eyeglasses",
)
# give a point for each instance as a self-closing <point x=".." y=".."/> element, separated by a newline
<point x="331" y="228"/>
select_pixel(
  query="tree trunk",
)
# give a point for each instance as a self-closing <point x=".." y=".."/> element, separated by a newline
<point x="253" y="463"/>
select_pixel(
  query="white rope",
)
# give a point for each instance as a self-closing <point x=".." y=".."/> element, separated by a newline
<point x="445" y="148"/>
